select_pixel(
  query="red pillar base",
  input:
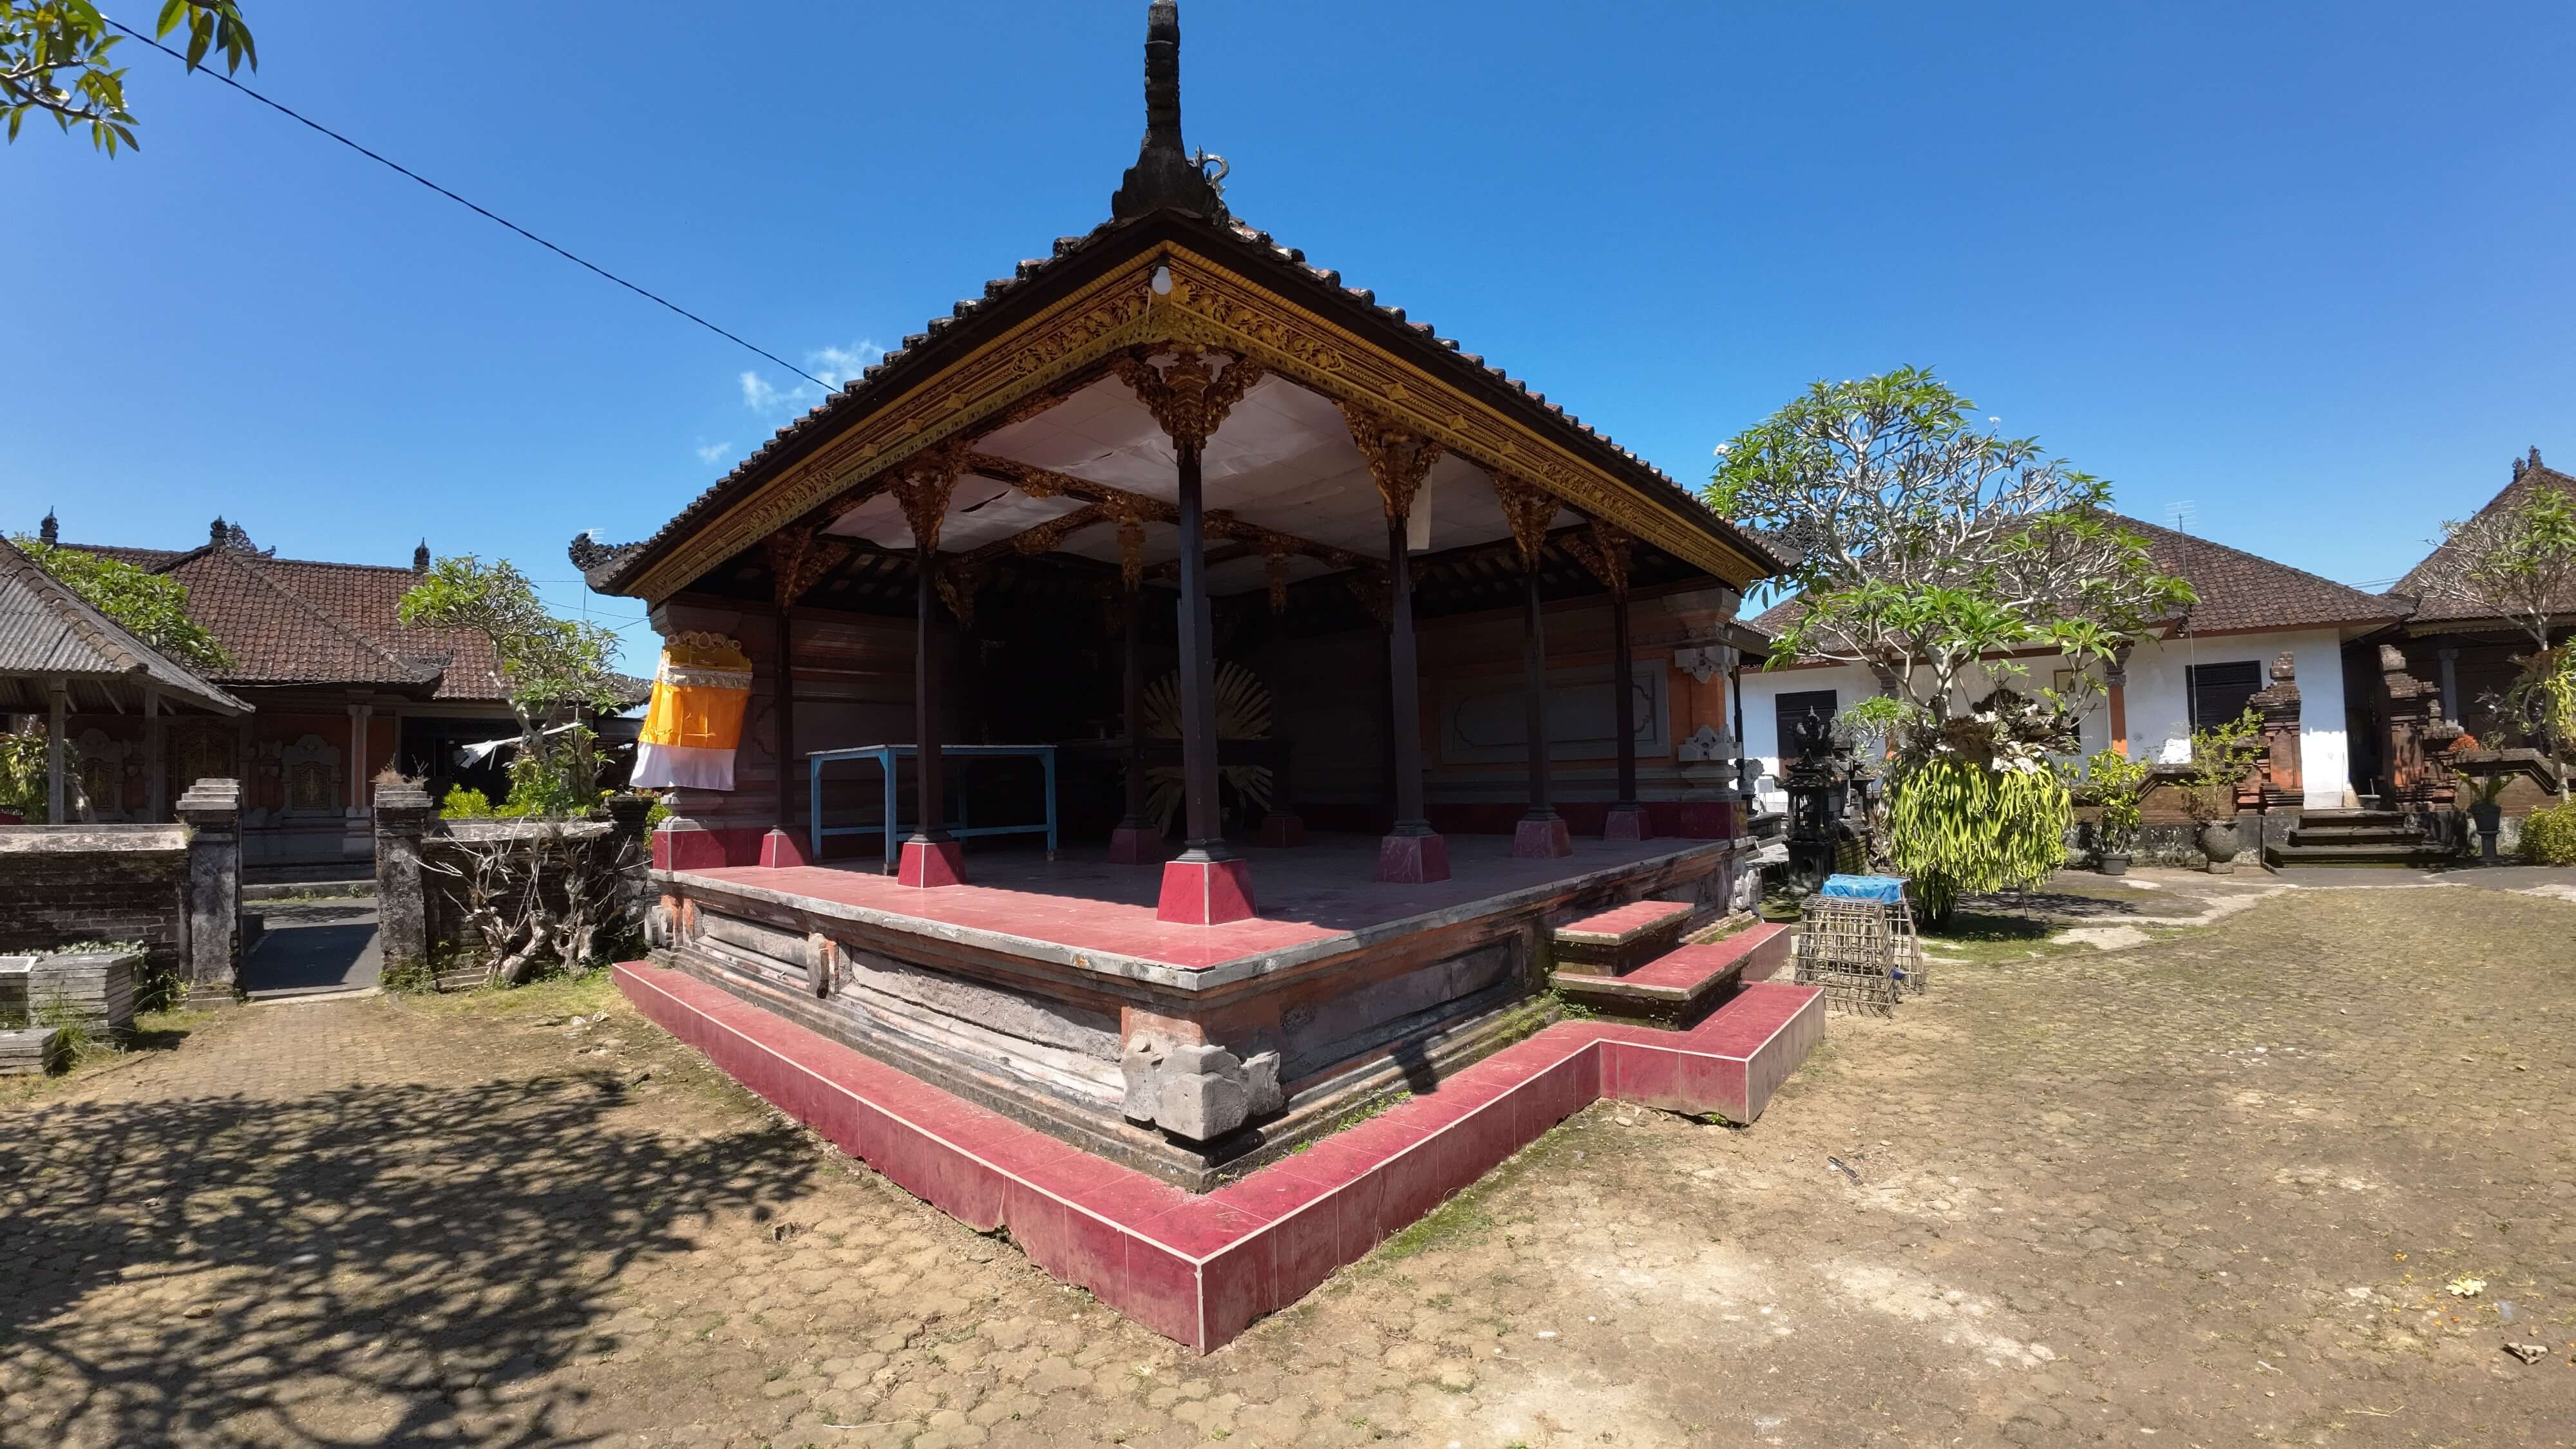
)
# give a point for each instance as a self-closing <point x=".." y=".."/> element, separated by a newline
<point x="1542" y="839"/>
<point x="931" y="863"/>
<point x="1412" y="859"/>
<point x="1283" y="830"/>
<point x="1627" y="822"/>
<point x="780" y="850"/>
<point x="1137" y="845"/>
<point x="1206" y="892"/>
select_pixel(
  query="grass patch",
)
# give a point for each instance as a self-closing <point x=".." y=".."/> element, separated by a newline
<point x="581" y="995"/>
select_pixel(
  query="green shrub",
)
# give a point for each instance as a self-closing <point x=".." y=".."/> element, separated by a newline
<point x="2549" y="836"/>
<point x="464" y="804"/>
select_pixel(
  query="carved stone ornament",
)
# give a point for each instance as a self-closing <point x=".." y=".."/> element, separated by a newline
<point x="1706" y="746"/>
<point x="1704" y="662"/>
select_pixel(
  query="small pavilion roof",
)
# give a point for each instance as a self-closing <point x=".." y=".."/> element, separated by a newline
<point x="1303" y="324"/>
<point x="48" y="632"/>
<point x="2530" y="475"/>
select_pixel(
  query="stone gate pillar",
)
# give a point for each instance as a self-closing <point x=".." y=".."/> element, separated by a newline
<point x="402" y="906"/>
<point x="212" y="812"/>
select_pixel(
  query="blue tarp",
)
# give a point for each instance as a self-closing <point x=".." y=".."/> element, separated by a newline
<point x="1865" y="887"/>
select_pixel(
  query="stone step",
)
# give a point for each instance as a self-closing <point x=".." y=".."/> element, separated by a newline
<point x="1680" y="988"/>
<point x="2353" y="817"/>
<point x="2414" y="857"/>
<point x="1621" y="939"/>
<point x="2356" y="835"/>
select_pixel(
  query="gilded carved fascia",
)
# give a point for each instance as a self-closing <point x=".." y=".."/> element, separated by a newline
<point x="1207" y="307"/>
<point x="1398" y="460"/>
<point x="1374" y="593"/>
<point x="1528" y="510"/>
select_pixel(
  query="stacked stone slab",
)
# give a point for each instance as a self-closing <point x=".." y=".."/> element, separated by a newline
<point x="1630" y="964"/>
<point x="35" y="1049"/>
<point x="91" y="989"/>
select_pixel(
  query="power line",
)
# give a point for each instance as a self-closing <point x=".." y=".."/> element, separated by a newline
<point x="470" y="206"/>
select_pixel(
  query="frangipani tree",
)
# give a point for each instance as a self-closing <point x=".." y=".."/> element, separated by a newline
<point x="555" y="671"/>
<point x="1931" y="552"/>
<point x="2519" y="562"/>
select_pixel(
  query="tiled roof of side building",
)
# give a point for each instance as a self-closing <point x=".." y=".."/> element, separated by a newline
<point x="916" y="358"/>
<point x="305" y="621"/>
<point x="2530" y="475"/>
<point x="2238" y="590"/>
<point x="47" y="631"/>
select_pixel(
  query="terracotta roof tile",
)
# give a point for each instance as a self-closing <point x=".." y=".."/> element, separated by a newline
<point x="2433" y="607"/>
<point x="2238" y="590"/>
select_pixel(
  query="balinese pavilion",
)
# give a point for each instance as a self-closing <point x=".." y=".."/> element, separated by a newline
<point x="1322" y="708"/>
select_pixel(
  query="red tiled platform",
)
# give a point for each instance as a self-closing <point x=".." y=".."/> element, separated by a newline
<point x="1308" y="897"/>
<point x="1619" y="940"/>
<point x="1200" y="1269"/>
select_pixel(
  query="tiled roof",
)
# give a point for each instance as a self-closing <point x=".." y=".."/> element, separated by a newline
<point x="299" y="621"/>
<point x="2529" y="476"/>
<point x="914" y="359"/>
<point x="2237" y="590"/>
<point x="46" y="630"/>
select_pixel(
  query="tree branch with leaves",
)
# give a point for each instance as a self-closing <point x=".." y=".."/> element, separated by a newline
<point x="56" y="60"/>
<point x="2518" y="563"/>
<point x="554" y="671"/>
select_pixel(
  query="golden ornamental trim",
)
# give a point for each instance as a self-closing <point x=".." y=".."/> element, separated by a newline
<point x="1208" y="307"/>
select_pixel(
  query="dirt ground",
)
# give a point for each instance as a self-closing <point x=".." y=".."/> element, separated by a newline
<point x="2208" y="1188"/>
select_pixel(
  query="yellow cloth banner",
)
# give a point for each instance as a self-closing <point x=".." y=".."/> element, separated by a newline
<point x="694" y="723"/>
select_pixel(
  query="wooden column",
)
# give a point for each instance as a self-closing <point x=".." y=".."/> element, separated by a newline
<point x="931" y="856"/>
<point x="1135" y="841"/>
<point x="2115" y="692"/>
<point x="60" y="709"/>
<point x="1190" y="397"/>
<point x="1412" y="852"/>
<point x="798" y="556"/>
<point x="1605" y="553"/>
<point x="1541" y="832"/>
<point x="156" y="749"/>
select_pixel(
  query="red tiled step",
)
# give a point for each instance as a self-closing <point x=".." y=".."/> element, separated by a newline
<point x="1621" y="939"/>
<point x="1679" y="987"/>
<point x="1201" y="1269"/>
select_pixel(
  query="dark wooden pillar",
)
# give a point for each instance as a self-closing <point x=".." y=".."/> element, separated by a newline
<point x="1541" y="834"/>
<point x="1606" y="554"/>
<point x="1135" y="841"/>
<point x="1399" y="462"/>
<point x="931" y="857"/>
<point x="1208" y="885"/>
<point x="1204" y="830"/>
<point x="1404" y="686"/>
<point x="784" y="845"/>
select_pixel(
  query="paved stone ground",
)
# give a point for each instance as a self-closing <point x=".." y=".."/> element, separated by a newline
<point x="2209" y="1190"/>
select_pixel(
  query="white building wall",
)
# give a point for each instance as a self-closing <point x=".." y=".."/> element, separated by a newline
<point x="2157" y="704"/>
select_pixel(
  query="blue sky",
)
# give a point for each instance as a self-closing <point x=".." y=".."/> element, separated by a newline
<point x="2308" y="271"/>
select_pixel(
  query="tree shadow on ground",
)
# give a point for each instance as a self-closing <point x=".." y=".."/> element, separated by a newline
<point x="367" y="1265"/>
<point x="1974" y="925"/>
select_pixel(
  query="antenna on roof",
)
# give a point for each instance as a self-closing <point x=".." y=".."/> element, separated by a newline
<point x="2178" y="515"/>
<point x="1165" y="173"/>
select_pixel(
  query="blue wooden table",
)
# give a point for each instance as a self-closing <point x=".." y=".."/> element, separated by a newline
<point x="885" y="757"/>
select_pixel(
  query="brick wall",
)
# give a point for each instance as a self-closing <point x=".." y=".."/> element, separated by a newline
<point x="98" y="882"/>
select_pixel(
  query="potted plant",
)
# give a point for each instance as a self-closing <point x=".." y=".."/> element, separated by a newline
<point x="2114" y="782"/>
<point x="2486" y="813"/>
<point x="2220" y="757"/>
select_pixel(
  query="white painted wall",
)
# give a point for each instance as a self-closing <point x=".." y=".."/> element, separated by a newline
<point x="2158" y="711"/>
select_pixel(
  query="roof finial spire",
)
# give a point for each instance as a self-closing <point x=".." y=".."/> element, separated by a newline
<point x="51" y="530"/>
<point x="1165" y="174"/>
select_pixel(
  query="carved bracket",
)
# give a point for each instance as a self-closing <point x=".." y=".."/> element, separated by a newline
<point x="1604" y="554"/>
<point x="1528" y="509"/>
<point x="1397" y="460"/>
<point x="1191" y="397"/>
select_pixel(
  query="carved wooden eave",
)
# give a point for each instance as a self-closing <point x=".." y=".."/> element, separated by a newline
<point x="1219" y="291"/>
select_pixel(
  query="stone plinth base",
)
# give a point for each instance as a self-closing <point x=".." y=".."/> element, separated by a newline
<point x="1627" y="822"/>
<point x="1136" y="845"/>
<point x="1206" y="892"/>
<point x="931" y="863"/>
<point x="782" y="851"/>
<point x="1283" y="830"/>
<point x="1412" y="859"/>
<point x="1546" y="839"/>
